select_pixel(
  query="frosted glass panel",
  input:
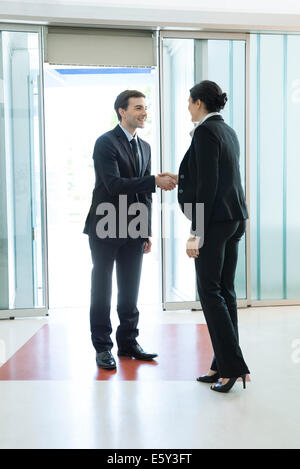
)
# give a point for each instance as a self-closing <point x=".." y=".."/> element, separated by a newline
<point x="178" y="79"/>
<point x="293" y="168"/>
<point x="22" y="254"/>
<point x="275" y="165"/>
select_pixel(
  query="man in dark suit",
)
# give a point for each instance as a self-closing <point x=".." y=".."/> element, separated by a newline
<point x="123" y="188"/>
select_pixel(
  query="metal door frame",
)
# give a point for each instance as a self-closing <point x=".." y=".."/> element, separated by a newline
<point x="195" y="305"/>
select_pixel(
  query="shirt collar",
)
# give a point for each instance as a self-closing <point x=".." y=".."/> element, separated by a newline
<point x="204" y="119"/>
<point x="128" y="134"/>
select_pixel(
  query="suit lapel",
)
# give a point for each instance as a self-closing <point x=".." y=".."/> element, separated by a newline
<point x="126" y="146"/>
<point x="144" y="156"/>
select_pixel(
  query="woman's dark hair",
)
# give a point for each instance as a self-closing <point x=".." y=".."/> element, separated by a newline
<point x="210" y="94"/>
<point x="123" y="99"/>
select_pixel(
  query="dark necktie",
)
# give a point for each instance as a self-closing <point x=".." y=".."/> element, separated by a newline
<point x="135" y="153"/>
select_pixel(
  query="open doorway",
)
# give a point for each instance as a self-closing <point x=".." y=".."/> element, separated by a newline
<point x="78" y="109"/>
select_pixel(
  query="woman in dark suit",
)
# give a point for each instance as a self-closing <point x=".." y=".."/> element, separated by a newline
<point x="209" y="174"/>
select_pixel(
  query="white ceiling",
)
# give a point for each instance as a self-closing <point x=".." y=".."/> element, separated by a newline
<point x="235" y="15"/>
<point x="254" y="6"/>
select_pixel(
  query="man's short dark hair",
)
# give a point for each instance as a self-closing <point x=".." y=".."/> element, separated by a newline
<point x="123" y="100"/>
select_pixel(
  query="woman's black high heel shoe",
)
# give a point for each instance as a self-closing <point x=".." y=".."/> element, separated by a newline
<point x="219" y="387"/>
<point x="209" y="379"/>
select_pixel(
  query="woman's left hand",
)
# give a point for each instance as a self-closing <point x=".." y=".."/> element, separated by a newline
<point x="147" y="247"/>
<point x="192" y="247"/>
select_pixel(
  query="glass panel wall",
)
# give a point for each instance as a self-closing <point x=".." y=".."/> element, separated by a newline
<point x="178" y="78"/>
<point x="274" y="167"/>
<point x="186" y="62"/>
<point x="22" y="279"/>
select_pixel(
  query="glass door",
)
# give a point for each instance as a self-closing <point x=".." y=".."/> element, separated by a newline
<point x="186" y="59"/>
<point x="23" y="266"/>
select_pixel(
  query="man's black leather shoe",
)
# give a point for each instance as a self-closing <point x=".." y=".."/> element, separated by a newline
<point x="135" y="351"/>
<point x="105" y="360"/>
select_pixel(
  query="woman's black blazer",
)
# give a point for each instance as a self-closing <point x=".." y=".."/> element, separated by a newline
<point x="210" y="174"/>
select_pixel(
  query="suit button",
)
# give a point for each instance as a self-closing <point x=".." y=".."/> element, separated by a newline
<point x="181" y="176"/>
<point x="180" y="191"/>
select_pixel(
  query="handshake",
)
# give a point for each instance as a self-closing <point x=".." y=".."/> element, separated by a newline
<point x="166" y="181"/>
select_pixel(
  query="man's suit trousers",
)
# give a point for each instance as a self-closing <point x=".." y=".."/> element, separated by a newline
<point x="127" y="256"/>
<point x="215" y="270"/>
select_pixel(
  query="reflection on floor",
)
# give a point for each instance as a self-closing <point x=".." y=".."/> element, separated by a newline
<point x="54" y="396"/>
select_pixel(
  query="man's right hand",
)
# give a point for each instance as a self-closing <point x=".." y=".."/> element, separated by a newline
<point x="172" y="175"/>
<point x="165" y="182"/>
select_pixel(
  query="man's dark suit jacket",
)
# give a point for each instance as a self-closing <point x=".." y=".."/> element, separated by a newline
<point x="209" y="173"/>
<point x="117" y="174"/>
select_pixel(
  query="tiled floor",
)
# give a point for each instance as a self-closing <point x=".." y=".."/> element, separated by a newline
<point x="54" y="396"/>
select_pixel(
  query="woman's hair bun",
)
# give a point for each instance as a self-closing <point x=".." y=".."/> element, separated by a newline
<point x="222" y="100"/>
<point x="210" y="94"/>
